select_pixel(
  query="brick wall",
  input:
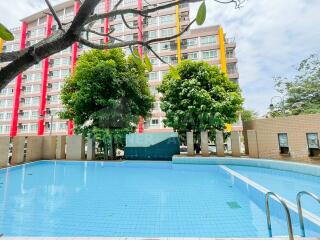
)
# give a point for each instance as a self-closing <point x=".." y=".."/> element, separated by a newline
<point x="295" y="126"/>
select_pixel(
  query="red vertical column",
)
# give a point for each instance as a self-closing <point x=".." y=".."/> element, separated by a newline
<point x="17" y="93"/>
<point x="73" y="64"/>
<point x="140" y="38"/>
<point x="44" y="83"/>
<point x="106" y="20"/>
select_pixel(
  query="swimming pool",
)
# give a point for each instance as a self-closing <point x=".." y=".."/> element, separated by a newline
<point x="133" y="199"/>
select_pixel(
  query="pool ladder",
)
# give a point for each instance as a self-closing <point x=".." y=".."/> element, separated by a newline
<point x="288" y="216"/>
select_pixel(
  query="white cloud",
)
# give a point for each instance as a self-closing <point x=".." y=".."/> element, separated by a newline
<point x="271" y="36"/>
<point x="14" y="10"/>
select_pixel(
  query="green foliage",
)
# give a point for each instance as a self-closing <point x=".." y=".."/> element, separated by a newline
<point x="202" y="12"/>
<point x="302" y="94"/>
<point x="248" y="115"/>
<point x="5" y="34"/>
<point x="198" y="96"/>
<point x="107" y="93"/>
<point x="147" y="62"/>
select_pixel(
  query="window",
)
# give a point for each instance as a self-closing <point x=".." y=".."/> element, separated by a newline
<point x="231" y="68"/>
<point x="1" y="116"/>
<point x="35" y="100"/>
<point x="36" y="88"/>
<point x="24" y="127"/>
<point x="154" y="121"/>
<point x="192" y="42"/>
<point x="8" y="116"/>
<point x="26" y="115"/>
<point x="62" y="126"/>
<point x="152" y="21"/>
<point x="34" y="114"/>
<point x="193" y="56"/>
<point x="167" y="32"/>
<point x="34" y="127"/>
<point x="3" y="91"/>
<point x="152" y="34"/>
<point x="167" y="19"/>
<point x="313" y="144"/>
<point x="117" y="27"/>
<point x="54" y="74"/>
<point x="66" y="61"/>
<point x="2" y="103"/>
<point x="208" y="40"/>
<point x="165" y="46"/>
<point x="9" y="102"/>
<point x="7" y="129"/>
<point x="230" y="53"/>
<point x="41" y="32"/>
<point x="154" y="61"/>
<point x="153" y="76"/>
<point x="65" y="73"/>
<point x="209" y="54"/>
<point x="283" y="143"/>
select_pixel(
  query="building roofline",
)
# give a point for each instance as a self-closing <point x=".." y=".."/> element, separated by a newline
<point x="41" y="13"/>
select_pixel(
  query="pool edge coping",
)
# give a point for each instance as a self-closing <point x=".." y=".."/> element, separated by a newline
<point x="307" y="214"/>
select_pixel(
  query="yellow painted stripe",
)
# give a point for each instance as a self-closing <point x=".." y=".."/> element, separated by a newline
<point x="1" y="45"/>
<point x="223" y="59"/>
<point x="178" y="31"/>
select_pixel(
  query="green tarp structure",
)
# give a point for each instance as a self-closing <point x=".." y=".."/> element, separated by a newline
<point x="151" y="146"/>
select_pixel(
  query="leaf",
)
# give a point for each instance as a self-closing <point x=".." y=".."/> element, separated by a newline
<point x="147" y="62"/>
<point x="136" y="57"/>
<point x="174" y="72"/>
<point x="202" y="12"/>
<point x="5" y="34"/>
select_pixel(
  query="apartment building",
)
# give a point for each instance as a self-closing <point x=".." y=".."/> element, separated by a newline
<point x="30" y="104"/>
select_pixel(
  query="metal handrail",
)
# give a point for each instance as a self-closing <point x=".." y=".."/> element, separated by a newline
<point x="298" y="199"/>
<point x="289" y="223"/>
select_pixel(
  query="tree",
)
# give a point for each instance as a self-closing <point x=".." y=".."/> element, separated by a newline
<point x="301" y="94"/>
<point x="106" y="94"/>
<point x="248" y="115"/>
<point x="198" y="96"/>
<point x="69" y="33"/>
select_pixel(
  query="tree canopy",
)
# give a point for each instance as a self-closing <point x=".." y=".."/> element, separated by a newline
<point x="107" y="91"/>
<point x="198" y="96"/>
<point x="302" y="92"/>
<point x="248" y="115"/>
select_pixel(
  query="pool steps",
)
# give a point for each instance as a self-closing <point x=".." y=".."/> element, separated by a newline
<point x="258" y="192"/>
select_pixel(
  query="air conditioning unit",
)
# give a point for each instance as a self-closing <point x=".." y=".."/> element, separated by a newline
<point x="28" y="33"/>
<point x="28" y="44"/>
<point x="48" y="98"/>
<point x="24" y="76"/>
<point x="22" y="100"/>
<point x="50" y="74"/>
<point x="49" y="85"/>
<point x="23" y="88"/>
<point x="21" y="113"/>
<point x="51" y="62"/>
<point x="80" y="46"/>
<point x="20" y="126"/>
<point x="47" y="124"/>
<point x="54" y="27"/>
<point x="48" y="111"/>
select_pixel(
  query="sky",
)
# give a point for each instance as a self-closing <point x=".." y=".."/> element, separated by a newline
<point x="272" y="37"/>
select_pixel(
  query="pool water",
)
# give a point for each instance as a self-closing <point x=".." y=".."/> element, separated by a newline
<point x="128" y="199"/>
<point x="285" y="183"/>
